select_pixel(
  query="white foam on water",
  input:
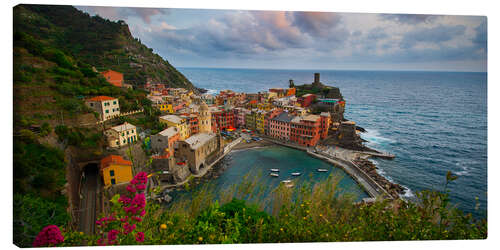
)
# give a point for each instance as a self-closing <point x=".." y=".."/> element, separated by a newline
<point x="407" y="193"/>
<point x="212" y="91"/>
<point x="373" y="137"/>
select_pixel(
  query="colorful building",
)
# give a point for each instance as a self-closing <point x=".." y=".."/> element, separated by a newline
<point x="260" y="118"/>
<point x="325" y="120"/>
<point x="195" y="150"/>
<point x="113" y="77"/>
<point x="115" y="170"/>
<point x="204" y="118"/>
<point x="178" y="122"/>
<point x="239" y="117"/>
<point x="250" y="119"/>
<point x="222" y="119"/>
<point x="270" y="115"/>
<point x="107" y="107"/>
<point x="163" y="142"/>
<point x="280" y="127"/>
<point x="305" y="130"/>
<point x="121" y="135"/>
<point x="306" y="100"/>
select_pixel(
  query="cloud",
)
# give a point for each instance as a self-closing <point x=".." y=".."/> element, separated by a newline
<point x="123" y="13"/>
<point x="480" y="40"/>
<point x="434" y="35"/>
<point x="410" y="19"/>
<point x="316" y="23"/>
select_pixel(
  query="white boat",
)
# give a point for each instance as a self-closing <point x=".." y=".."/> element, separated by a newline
<point x="322" y="170"/>
<point x="274" y="170"/>
<point x="296" y="174"/>
<point x="274" y="175"/>
<point x="286" y="181"/>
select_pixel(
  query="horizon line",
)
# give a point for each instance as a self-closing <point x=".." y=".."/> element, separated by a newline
<point x="396" y="70"/>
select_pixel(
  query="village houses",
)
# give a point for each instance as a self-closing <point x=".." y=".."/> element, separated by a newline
<point x="115" y="170"/>
<point x="121" y="135"/>
<point x="107" y="107"/>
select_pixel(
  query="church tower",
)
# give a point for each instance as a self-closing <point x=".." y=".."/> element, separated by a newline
<point x="205" y="118"/>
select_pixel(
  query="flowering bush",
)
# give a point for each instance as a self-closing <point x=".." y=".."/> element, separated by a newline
<point x="49" y="236"/>
<point x="128" y="210"/>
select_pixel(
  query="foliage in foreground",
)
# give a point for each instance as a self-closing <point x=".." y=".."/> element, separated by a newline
<point x="308" y="214"/>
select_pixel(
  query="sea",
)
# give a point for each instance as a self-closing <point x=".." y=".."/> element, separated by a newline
<point x="434" y="122"/>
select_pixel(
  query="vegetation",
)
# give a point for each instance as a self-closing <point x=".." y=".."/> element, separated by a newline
<point x="316" y="213"/>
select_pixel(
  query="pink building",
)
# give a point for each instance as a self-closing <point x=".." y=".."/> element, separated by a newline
<point x="239" y="117"/>
<point x="270" y="115"/>
<point x="280" y="126"/>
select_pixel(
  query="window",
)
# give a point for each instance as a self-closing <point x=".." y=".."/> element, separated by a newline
<point x="113" y="181"/>
<point x="107" y="111"/>
<point x="111" y="172"/>
<point x="114" y="102"/>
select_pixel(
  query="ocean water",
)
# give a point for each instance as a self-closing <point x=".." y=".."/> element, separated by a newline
<point x="433" y="122"/>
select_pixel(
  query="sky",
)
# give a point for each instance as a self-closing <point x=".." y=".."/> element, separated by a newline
<point x="307" y="40"/>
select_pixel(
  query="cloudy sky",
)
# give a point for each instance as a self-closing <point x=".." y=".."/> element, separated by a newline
<point x="307" y="40"/>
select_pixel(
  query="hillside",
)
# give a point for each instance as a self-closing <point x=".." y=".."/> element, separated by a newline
<point x="55" y="50"/>
<point x="96" y="41"/>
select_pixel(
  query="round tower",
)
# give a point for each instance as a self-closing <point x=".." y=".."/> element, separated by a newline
<point x="205" y="118"/>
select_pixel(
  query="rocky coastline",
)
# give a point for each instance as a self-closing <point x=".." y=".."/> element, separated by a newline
<point x="394" y="189"/>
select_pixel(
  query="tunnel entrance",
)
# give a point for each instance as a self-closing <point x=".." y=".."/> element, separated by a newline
<point x="89" y="195"/>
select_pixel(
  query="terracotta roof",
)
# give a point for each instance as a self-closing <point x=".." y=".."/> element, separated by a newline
<point x="116" y="159"/>
<point x="101" y="98"/>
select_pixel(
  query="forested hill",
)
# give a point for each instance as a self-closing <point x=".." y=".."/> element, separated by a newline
<point x="96" y="41"/>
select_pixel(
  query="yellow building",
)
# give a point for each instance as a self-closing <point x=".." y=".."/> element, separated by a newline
<point x="259" y="121"/>
<point x="178" y="122"/>
<point x="115" y="170"/>
<point x="165" y="107"/>
<point x="264" y="106"/>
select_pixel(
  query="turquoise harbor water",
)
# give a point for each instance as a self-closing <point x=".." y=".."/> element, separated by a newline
<point x="257" y="162"/>
<point x="433" y="121"/>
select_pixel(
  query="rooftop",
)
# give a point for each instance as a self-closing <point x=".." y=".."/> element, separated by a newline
<point x="283" y="117"/>
<point x="199" y="139"/>
<point x="101" y="98"/>
<point x="172" y="118"/>
<point x="169" y="132"/>
<point x="123" y="127"/>
<point x="114" y="159"/>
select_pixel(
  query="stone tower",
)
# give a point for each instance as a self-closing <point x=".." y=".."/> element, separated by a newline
<point x="205" y="118"/>
<point x="316" y="82"/>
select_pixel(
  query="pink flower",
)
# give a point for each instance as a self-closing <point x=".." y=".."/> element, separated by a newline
<point x="143" y="212"/>
<point x="112" y="235"/>
<point x="49" y="236"/>
<point x="131" y="189"/>
<point x="124" y="200"/>
<point x="128" y="228"/>
<point x="139" y="237"/>
<point x="138" y="219"/>
<point x="140" y="187"/>
<point x="101" y="242"/>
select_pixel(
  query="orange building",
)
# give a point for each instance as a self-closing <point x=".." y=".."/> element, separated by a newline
<point x="115" y="170"/>
<point x="113" y="77"/>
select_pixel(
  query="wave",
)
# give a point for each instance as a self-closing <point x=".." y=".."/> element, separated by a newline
<point x="374" y="137"/>
<point x="407" y="193"/>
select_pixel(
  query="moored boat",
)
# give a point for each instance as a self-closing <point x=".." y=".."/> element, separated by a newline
<point x="296" y="174"/>
<point x="286" y="181"/>
<point x="322" y="170"/>
<point x="274" y="169"/>
<point x="274" y="175"/>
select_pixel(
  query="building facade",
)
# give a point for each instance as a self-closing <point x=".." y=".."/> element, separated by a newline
<point x="280" y="126"/>
<point x="204" y="118"/>
<point x="107" y="107"/>
<point x="115" y="170"/>
<point x="179" y="122"/>
<point x="305" y="130"/>
<point x="195" y="150"/>
<point x="121" y="135"/>
<point x="163" y="142"/>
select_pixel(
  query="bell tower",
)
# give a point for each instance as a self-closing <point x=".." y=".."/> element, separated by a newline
<point x="205" y="118"/>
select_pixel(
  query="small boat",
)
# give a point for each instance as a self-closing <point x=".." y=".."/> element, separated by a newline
<point x="322" y="170"/>
<point x="274" y="169"/>
<point x="296" y="174"/>
<point x="274" y="175"/>
<point x="287" y="181"/>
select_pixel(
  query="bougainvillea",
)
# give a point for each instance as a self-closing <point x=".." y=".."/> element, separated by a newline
<point x="49" y="236"/>
<point x="119" y="227"/>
